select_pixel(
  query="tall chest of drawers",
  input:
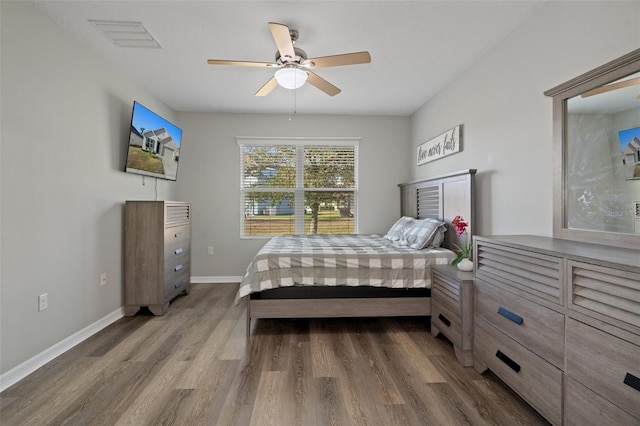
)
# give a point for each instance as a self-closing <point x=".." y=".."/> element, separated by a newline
<point x="157" y="254"/>
<point x="559" y="322"/>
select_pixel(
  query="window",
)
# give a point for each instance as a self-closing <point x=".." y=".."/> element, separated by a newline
<point x="298" y="186"/>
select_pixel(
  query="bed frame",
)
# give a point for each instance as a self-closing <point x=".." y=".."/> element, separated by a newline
<point x="441" y="197"/>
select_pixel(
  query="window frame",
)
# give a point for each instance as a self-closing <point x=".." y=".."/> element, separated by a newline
<point x="299" y="188"/>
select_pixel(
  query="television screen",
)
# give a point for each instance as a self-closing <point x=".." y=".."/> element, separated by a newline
<point x="630" y="147"/>
<point x="154" y="145"/>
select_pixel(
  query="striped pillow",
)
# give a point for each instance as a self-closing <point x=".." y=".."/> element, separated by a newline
<point x="423" y="233"/>
<point x="395" y="232"/>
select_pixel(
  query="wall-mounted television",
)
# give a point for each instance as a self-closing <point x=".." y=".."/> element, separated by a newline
<point x="154" y="145"/>
<point x="630" y="147"/>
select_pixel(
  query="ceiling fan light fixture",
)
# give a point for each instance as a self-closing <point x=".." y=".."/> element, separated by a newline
<point x="294" y="65"/>
<point x="291" y="77"/>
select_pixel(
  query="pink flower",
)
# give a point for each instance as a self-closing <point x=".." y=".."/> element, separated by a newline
<point x="459" y="224"/>
<point x="464" y="252"/>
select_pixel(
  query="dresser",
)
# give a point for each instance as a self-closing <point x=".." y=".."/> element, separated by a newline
<point x="559" y="322"/>
<point x="157" y="254"/>
<point x="452" y="309"/>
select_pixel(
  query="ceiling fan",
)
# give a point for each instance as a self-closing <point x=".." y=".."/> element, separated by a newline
<point x="294" y="66"/>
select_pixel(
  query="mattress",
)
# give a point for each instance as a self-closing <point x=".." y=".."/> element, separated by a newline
<point x="340" y="260"/>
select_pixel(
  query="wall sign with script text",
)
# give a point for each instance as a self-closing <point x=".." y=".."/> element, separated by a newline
<point x="440" y="146"/>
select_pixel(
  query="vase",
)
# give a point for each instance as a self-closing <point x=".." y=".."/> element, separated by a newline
<point x="465" y="265"/>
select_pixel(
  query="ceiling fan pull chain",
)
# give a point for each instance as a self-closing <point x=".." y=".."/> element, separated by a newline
<point x="290" y="105"/>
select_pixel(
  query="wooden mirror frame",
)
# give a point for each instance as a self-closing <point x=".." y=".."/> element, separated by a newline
<point x="607" y="73"/>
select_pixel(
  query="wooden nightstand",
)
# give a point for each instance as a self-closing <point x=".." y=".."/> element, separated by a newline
<point x="452" y="309"/>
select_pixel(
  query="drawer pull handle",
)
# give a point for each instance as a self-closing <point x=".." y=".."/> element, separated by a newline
<point x="444" y="320"/>
<point x="178" y="284"/>
<point x="178" y="251"/>
<point x="511" y="363"/>
<point x="177" y="268"/>
<point x="178" y="234"/>
<point x="633" y="381"/>
<point x="510" y="315"/>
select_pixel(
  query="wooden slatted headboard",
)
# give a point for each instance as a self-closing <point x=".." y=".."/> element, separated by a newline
<point x="442" y="197"/>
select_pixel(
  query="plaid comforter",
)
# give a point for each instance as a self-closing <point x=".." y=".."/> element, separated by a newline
<point x="340" y="260"/>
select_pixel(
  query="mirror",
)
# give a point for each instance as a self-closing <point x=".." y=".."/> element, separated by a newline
<point x="597" y="153"/>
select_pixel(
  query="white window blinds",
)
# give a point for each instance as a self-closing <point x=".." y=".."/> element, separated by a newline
<point x="298" y="187"/>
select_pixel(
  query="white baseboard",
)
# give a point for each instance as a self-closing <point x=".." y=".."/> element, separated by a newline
<point x="215" y="280"/>
<point x="21" y="371"/>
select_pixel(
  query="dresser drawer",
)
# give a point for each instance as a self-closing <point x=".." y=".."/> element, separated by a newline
<point x="447" y="321"/>
<point x="538" y="328"/>
<point x="604" y="363"/>
<point x="176" y="250"/>
<point x="176" y="283"/>
<point x="606" y="293"/>
<point x="533" y="273"/>
<point x="537" y="381"/>
<point x="176" y="266"/>
<point x="447" y="290"/>
<point x="174" y="234"/>
<point x="583" y="407"/>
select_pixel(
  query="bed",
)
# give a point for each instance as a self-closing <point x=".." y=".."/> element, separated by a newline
<point x="320" y="276"/>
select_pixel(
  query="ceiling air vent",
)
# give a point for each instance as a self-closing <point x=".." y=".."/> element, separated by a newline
<point x="127" y="34"/>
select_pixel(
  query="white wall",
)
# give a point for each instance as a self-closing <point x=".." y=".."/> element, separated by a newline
<point x="209" y="177"/>
<point x="65" y="123"/>
<point x="507" y="123"/>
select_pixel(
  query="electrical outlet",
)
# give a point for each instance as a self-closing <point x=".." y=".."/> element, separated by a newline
<point x="42" y="302"/>
<point x="210" y="250"/>
<point x="103" y="279"/>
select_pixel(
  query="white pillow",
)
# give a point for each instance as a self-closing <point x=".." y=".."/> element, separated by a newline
<point x="423" y="233"/>
<point x="395" y="232"/>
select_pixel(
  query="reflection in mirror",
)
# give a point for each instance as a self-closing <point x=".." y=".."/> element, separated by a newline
<point x="602" y="158"/>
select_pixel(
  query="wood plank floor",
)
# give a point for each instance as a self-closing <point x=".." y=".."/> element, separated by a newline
<point x="194" y="366"/>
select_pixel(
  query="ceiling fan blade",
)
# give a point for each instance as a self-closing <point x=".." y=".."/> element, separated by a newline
<point x="338" y="60"/>
<point x="612" y="86"/>
<point x="322" y="84"/>
<point x="267" y="87"/>
<point x="241" y="63"/>
<point x="282" y="37"/>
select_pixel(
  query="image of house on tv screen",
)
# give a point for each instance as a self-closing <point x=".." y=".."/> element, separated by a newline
<point x="630" y="147"/>
<point x="154" y="145"/>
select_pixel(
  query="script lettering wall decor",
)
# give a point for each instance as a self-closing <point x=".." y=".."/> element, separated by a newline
<point x="446" y="144"/>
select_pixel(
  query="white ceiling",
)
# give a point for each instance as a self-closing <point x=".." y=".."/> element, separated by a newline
<point x="417" y="48"/>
